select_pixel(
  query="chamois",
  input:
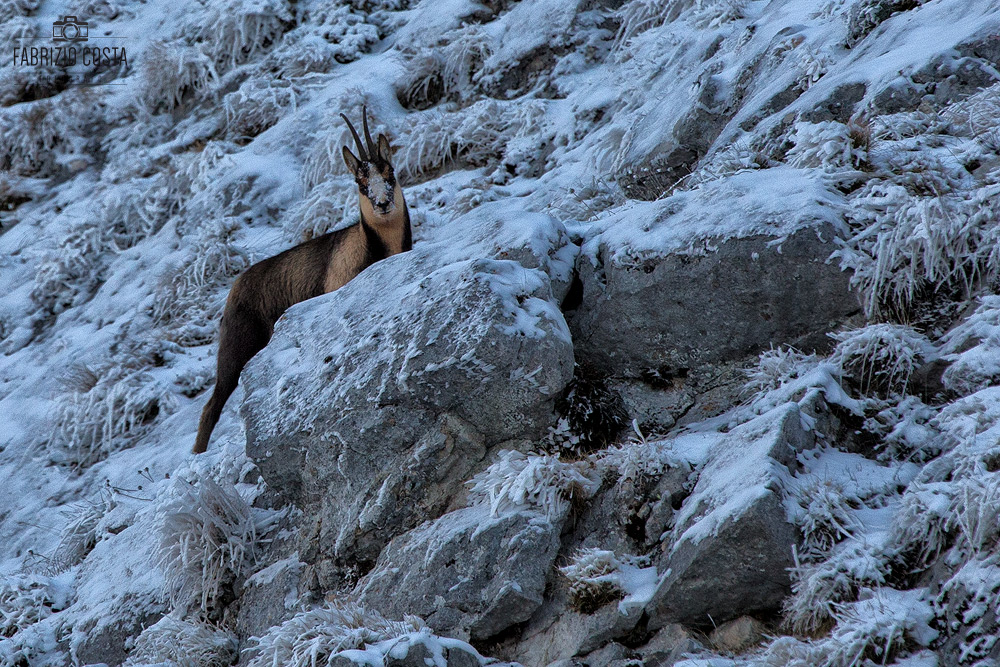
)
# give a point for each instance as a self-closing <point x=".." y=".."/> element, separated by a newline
<point x="264" y="291"/>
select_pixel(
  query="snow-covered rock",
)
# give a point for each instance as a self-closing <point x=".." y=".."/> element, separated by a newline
<point x="678" y="136"/>
<point x="732" y="542"/>
<point x="372" y="405"/>
<point x="712" y="275"/>
<point x="467" y="574"/>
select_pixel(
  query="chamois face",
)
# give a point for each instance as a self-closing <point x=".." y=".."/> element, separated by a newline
<point x="376" y="179"/>
<point x="373" y="172"/>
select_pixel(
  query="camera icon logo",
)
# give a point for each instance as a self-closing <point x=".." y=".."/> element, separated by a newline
<point x="68" y="29"/>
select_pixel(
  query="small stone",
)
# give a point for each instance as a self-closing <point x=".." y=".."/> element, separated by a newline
<point x="607" y="655"/>
<point x="669" y="645"/>
<point x="738" y="636"/>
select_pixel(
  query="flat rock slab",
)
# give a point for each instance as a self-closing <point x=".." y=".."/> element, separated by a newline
<point x="467" y="574"/>
<point x="710" y="276"/>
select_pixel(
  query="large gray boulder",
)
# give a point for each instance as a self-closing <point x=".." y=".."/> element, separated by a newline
<point x="468" y="574"/>
<point x="732" y="543"/>
<point x="710" y="276"/>
<point x="372" y="405"/>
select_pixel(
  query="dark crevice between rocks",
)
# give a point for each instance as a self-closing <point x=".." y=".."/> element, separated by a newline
<point x="501" y="644"/>
<point x="574" y="295"/>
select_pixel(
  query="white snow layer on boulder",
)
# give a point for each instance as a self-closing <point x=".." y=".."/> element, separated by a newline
<point x="377" y="401"/>
<point x="712" y="274"/>
<point x="468" y="574"/>
<point x="732" y="543"/>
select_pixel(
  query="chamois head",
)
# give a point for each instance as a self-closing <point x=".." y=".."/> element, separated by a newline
<point x="373" y="171"/>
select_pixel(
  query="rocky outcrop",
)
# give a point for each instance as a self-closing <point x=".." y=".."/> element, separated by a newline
<point x="668" y="289"/>
<point x="468" y="574"/>
<point x="731" y="546"/>
<point x="412" y="397"/>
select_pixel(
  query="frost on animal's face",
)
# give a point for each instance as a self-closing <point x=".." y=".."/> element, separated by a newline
<point x="377" y="184"/>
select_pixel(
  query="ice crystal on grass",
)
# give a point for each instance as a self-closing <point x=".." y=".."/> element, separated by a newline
<point x="36" y="135"/>
<point x="639" y="456"/>
<point x="301" y="55"/>
<point x="190" y="299"/>
<point x="27" y="599"/>
<point x="835" y="563"/>
<point x="194" y="381"/>
<point x="881" y="357"/>
<point x="812" y="65"/>
<point x="815" y="587"/>
<point x="543" y="481"/>
<point x="824" y="513"/>
<point x="878" y="625"/>
<point x="132" y="213"/>
<point x="638" y="16"/>
<point x="591" y="579"/>
<point x="231" y="32"/>
<point x="256" y="106"/>
<point x="905" y="426"/>
<point x="907" y="244"/>
<point x="776" y="367"/>
<point x="923" y="526"/>
<point x="171" y="73"/>
<point x="89" y="425"/>
<point x="976" y="512"/>
<point x="597" y="577"/>
<point x="67" y="276"/>
<point x="348" y="31"/>
<point x="311" y="638"/>
<point x="966" y="601"/>
<point x="183" y="643"/>
<point x="462" y="60"/>
<point x="487" y="130"/>
<point x="81" y="534"/>
<point x="329" y="206"/>
<point x="975" y="346"/>
<point x="207" y="535"/>
<point x="828" y="146"/>
<point x="423" y="85"/>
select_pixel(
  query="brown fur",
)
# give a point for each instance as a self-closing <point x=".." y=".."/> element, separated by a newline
<point x="268" y="288"/>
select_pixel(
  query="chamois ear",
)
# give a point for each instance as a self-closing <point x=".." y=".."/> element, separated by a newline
<point x="384" y="151"/>
<point x="353" y="164"/>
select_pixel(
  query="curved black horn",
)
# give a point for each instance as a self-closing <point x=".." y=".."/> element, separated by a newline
<point x="357" y="140"/>
<point x="372" y="150"/>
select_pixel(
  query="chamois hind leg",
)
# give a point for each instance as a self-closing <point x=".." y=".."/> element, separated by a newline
<point x="240" y="337"/>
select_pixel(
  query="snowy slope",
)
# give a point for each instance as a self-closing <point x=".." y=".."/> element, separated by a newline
<point x="130" y="208"/>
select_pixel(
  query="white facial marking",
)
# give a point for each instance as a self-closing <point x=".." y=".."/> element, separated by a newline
<point x="379" y="191"/>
